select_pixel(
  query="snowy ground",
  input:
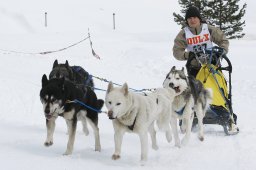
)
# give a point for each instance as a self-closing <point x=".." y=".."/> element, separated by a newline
<point x="137" y="52"/>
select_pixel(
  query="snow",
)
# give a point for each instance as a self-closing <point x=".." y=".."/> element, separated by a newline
<point x="138" y="52"/>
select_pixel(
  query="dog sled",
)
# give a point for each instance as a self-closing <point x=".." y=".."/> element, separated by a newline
<point x="214" y="63"/>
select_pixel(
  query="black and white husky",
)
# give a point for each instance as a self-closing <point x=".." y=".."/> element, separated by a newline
<point x="191" y="97"/>
<point x="55" y="96"/>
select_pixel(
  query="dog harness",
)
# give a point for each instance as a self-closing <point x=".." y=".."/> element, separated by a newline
<point x="132" y="126"/>
<point x="181" y="111"/>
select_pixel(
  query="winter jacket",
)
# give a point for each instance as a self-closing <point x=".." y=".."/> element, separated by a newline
<point x="180" y="43"/>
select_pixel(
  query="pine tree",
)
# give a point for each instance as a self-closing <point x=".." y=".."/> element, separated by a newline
<point x="224" y="14"/>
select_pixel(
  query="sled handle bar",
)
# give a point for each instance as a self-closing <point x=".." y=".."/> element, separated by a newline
<point x="211" y="51"/>
<point x="229" y="67"/>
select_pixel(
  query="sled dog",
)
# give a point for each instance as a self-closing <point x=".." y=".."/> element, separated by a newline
<point x="55" y="96"/>
<point x="190" y="97"/>
<point x="76" y="74"/>
<point x="136" y="113"/>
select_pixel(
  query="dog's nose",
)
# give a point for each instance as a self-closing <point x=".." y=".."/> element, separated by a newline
<point x="47" y="110"/>
<point x="110" y="114"/>
<point x="171" y="85"/>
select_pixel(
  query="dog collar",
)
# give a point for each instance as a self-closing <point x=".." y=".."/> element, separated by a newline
<point x="132" y="126"/>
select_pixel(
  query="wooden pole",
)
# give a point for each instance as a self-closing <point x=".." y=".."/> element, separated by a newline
<point x="114" y="24"/>
<point x="45" y="19"/>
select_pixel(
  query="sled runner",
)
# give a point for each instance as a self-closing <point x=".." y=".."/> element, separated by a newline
<point x="213" y="63"/>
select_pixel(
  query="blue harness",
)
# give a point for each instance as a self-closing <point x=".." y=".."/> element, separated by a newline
<point x="181" y="111"/>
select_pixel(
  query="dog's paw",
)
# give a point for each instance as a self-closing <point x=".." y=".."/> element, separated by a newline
<point x="143" y="162"/>
<point x="155" y="147"/>
<point x="48" y="143"/>
<point x="184" y="142"/>
<point x="115" y="157"/>
<point x="67" y="153"/>
<point x="178" y="145"/>
<point x="201" y="138"/>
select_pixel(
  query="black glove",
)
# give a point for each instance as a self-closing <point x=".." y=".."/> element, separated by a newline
<point x="201" y="57"/>
<point x="192" y="70"/>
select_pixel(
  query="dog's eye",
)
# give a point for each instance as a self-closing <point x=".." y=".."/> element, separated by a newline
<point x="46" y="97"/>
<point x="118" y="104"/>
<point x="177" y="78"/>
<point x="109" y="102"/>
<point x="168" y="78"/>
<point x="53" y="100"/>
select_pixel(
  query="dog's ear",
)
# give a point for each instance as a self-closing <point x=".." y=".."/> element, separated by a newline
<point x="110" y="87"/>
<point x="44" y="80"/>
<point x="66" y="64"/>
<point x="173" y="68"/>
<point x="125" y="89"/>
<point x="167" y="75"/>
<point x="55" y="64"/>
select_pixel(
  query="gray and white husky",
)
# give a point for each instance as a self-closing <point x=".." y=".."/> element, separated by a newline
<point x="191" y="97"/>
<point x="136" y="113"/>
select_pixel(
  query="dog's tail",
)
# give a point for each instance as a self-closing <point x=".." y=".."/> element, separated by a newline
<point x="100" y="104"/>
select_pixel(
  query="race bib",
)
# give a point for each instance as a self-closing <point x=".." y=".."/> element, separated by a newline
<point x="198" y="42"/>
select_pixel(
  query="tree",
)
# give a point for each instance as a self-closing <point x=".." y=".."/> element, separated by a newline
<point x="185" y="4"/>
<point x="224" y="14"/>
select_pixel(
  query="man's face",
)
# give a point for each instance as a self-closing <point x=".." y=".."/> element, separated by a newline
<point x="193" y="22"/>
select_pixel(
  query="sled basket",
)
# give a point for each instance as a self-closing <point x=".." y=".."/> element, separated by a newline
<point x="213" y="79"/>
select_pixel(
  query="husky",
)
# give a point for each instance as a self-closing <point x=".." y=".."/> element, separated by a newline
<point x="55" y="96"/>
<point x="136" y="113"/>
<point x="191" y="97"/>
<point x="76" y="74"/>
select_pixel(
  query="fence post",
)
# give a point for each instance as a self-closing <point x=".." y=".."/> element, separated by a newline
<point x="114" y="24"/>
<point x="45" y="19"/>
